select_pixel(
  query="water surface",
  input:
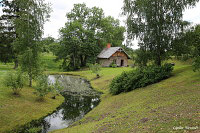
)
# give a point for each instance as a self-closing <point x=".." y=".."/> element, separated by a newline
<point x="73" y="109"/>
<point x="80" y="98"/>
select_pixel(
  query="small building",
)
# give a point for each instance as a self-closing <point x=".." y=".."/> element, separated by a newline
<point x="111" y="55"/>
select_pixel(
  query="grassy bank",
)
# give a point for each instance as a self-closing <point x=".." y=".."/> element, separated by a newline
<point x="160" y="107"/>
<point x="19" y="110"/>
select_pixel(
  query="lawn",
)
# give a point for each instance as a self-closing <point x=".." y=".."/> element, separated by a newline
<point x="49" y="62"/>
<point x="161" y="107"/>
<point x="17" y="111"/>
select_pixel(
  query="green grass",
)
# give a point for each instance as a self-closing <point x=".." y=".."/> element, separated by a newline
<point x="160" y="107"/>
<point x="50" y="63"/>
<point x="156" y="108"/>
<point x="18" y="110"/>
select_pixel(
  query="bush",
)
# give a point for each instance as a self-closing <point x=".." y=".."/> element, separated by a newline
<point x="42" y="86"/>
<point x="15" y="80"/>
<point x="113" y="65"/>
<point x="56" y="88"/>
<point x="95" y="68"/>
<point x="196" y="64"/>
<point x="142" y="77"/>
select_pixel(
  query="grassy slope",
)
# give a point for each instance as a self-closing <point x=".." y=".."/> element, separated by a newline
<point x="156" y="108"/>
<point x="50" y="64"/>
<point x="16" y="111"/>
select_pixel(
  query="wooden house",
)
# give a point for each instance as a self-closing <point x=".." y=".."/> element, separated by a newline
<point x="111" y="55"/>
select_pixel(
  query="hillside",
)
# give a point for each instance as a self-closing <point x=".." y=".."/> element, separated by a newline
<point x="163" y="107"/>
<point x="18" y="110"/>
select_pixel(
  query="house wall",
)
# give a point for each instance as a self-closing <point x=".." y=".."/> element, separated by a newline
<point x="107" y="62"/>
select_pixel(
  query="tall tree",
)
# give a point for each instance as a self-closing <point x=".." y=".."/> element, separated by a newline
<point x="86" y="32"/>
<point x="193" y="40"/>
<point x="29" y="28"/>
<point x="7" y="31"/>
<point x="46" y="42"/>
<point x="155" y="23"/>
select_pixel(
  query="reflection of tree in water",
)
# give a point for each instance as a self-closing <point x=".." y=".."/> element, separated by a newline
<point x="75" y="107"/>
<point x="45" y="126"/>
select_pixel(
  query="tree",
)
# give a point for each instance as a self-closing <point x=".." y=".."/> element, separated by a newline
<point x="31" y="63"/>
<point x="7" y="32"/>
<point x="143" y="56"/>
<point x="155" y="24"/>
<point x="29" y="28"/>
<point x="95" y="68"/>
<point x="46" y="42"/>
<point x="56" y="87"/>
<point x="85" y="34"/>
<point x="54" y="48"/>
<point x="195" y="42"/>
<point x="111" y="32"/>
<point x="181" y="46"/>
<point x="15" y="80"/>
<point x="42" y="86"/>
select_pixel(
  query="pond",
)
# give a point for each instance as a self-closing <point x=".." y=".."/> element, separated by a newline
<point x="80" y="98"/>
<point x="73" y="109"/>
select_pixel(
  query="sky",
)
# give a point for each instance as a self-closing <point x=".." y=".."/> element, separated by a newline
<point x="61" y="7"/>
<point x="110" y="7"/>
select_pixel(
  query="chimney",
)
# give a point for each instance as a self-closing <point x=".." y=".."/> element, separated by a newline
<point x="108" y="45"/>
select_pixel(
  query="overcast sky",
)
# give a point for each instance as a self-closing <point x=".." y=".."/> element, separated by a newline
<point x="110" y="7"/>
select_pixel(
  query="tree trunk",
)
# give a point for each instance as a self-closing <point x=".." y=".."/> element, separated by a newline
<point x="158" y="61"/>
<point x="74" y="62"/>
<point x="81" y="57"/>
<point x="30" y="80"/>
<point x="83" y="61"/>
<point x="16" y="64"/>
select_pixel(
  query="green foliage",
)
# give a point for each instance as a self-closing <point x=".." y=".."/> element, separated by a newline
<point x="113" y="65"/>
<point x="155" y="23"/>
<point x="188" y="46"/>
<point x="85" y="34"/>
<point x="31" y="63"/>
<point x="45" y="44"/>
<point x="196" y="48"/>
<point x="42" y="86"/>
<point x="34" y="130"/>
<point x="29" y="28"/>
<point x="196" y="64"/>
<point x="142" y="77"/>
<point x="15" y="80"/>
<point x="95" y="68"/>
<point x="7" y="31"/>
<point x="54" y="48"/>
<point x="142" y="57"/>
<point x="56" y="87"/>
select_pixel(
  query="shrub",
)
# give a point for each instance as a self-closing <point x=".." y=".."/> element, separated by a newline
<point x="56" y="88"/>
<point x="15" y="80"/>
<point x="95" y="68"/>
<point x="42" y="86"/>
<point x="196" y="64"/>
<point x="113" y="65"/>
<point x="142" y="77"/>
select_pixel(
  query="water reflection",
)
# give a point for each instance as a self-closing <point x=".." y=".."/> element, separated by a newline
<point x="73" y="109"/>
<point x="74" y="106"/>
<point x="80" y="98"/>
<point x="73" y="84"/>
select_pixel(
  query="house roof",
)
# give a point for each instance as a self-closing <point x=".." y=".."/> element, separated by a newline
<point x="108" y="52"/>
